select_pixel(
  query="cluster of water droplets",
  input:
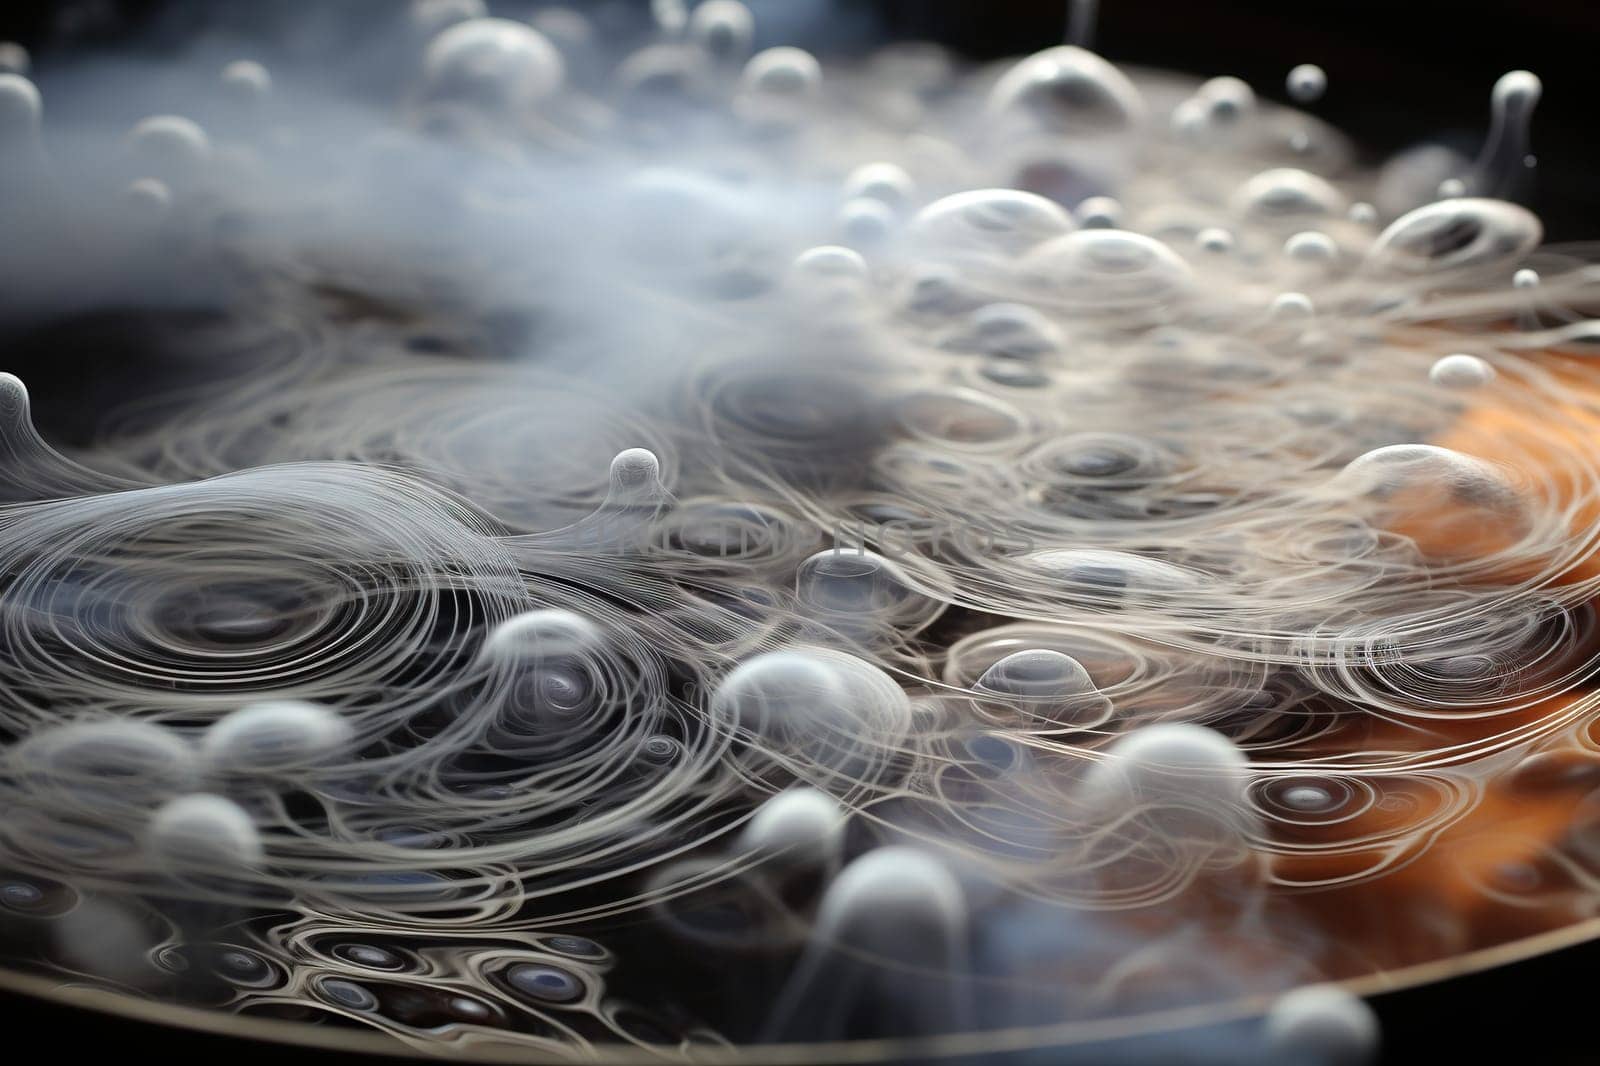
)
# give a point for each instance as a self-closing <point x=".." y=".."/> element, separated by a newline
<point x="821" y="551"/>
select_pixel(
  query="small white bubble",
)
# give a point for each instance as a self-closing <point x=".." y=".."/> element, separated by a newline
<point x="723" y="29"/>
<point x="1311" y="247"/>
<point x="203" y="832"/>
<point x="1215" y="241"/>
<point x="1461" y="371"/>
<point x="1292" y="305"/>
<point x="14" y="59"/>
<point x="21" y="108"/>
<point x="246" y="82"/>
<point x="1307" y="83"/>
<point x="495" y="63"/>
<point x="170" y="147"/>
<point x="149" y="201"/>
<point x="1322" y="1024"/>
<point x="274" y="736"/>
<point x="885" y="182"/>
<point x="1099" y="212"/>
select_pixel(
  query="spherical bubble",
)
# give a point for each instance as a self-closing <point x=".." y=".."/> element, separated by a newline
<point x="885" y="182"/>
<point x="1525" y="279"/>
<point x="14" y="59"/>
<point x="551" y="633"/>
<point x="1010" y="331"/>
<point x="1107" y="271"/>
<point x="892" y="931"/>
<point x="1292" y="306"/>
<point x="635" y="468"/>
<point x="1172" y="764"/>
<point x="1288" y="196"/>
<point x="274" y="736"/>
<point x="865" y="222"/>
<point x="1456" y="235"/>
<point x="204" y="832"/>
<point x="429" y="17"/>
<point x="1517" y="88"/>
<point x="779" y="86"/>
<point x="888" y="890"/>
<point x="549" y="673"/>
<point x="1068" y="90"/>
<point x="831" y="261"/>
<point x="635" y="479"/>
<point x="833" y="708"/>
<point x="1311" y="246"/>
<point x="1384" y="472"/>
<point x="1461" y="371"/>
<point x="1002" y="222"/>
<point x="1324" y="1025"/>
<point x="149" y="201"/>
<point x="169" y="147"/>
<point x="494" y="62"/>
<point x="844" y="584"/>
<point x="1362" y="213"/>
<point x="1047" y="686"/>
<point x="723" y="29"/>
<point x="136" y="762"/>
<point x="246" y="82"/>
<point x="801" y="825"/>
<point x="1037" y="673"/>
<point x="1214" y="240"/>
<point x="1307" y="83"/>
<point x="1099" y="212"/>
<point x="1226" y="100"/>
<point x="21" y="108"/>
<point x="1450" y="505"/>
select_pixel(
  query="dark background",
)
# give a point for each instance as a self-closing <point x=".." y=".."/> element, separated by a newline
<point x="1399" y="71"/>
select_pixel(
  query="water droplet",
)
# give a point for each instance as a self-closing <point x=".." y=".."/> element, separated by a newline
<point x="1306" y="83"/>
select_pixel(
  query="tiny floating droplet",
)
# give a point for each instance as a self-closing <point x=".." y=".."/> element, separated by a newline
<point x="1461" y="371"/>
<point x="1306" y="83"/>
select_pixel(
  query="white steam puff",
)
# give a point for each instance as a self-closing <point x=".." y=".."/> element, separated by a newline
<point x="630" y="535"/>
